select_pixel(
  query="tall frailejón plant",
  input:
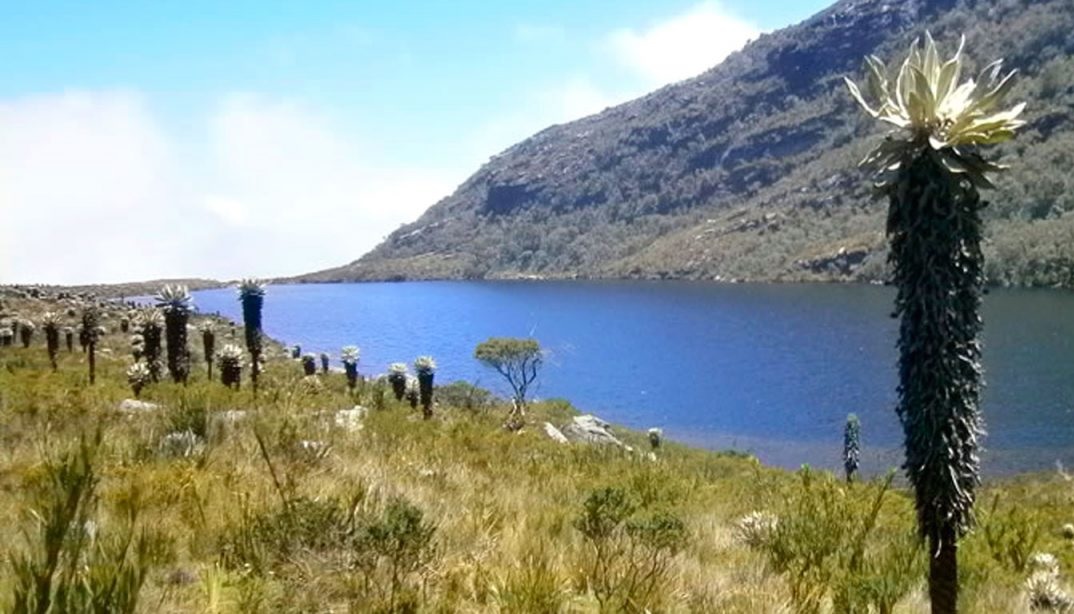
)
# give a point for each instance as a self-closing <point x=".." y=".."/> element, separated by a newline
<point x="349" y="357"/>
<point x="151" y="323"/>
<point x="69" y="338"/>
<point x="175" y="303"/>
<point x="930" y="169"/>
<point x="208" y="345"/>
<point x="425" y="367"/>
<point x="51" y="323"/>
<point x="90" y="322"/>
<point x="252" y="297"/>
<point x="852" y="447"/>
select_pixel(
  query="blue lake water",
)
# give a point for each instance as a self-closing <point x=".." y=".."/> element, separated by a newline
<point x="768" y="369"/>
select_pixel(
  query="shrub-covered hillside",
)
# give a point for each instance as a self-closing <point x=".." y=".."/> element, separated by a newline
<point x="312" y="497"/>
<point x="748" y="171"/>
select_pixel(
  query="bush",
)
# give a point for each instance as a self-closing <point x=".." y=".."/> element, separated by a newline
<point x="392" y="552"/>
<point x="72" y="564"/>
<point x="628" y="557"/>
<point x="826" y="545"/>
<point x="464" y="396"/>
<point x="266" y="539"/>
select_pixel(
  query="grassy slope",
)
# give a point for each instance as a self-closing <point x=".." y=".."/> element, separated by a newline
<point x="503" y="504"/>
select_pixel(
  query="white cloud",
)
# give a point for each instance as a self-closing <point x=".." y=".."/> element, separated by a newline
<point x="681" y="46"/>
<point x="676" y="48"/>
<point x="300" y="193"/>
<point x="85" y="186"/>
<point x="92" y="189"/>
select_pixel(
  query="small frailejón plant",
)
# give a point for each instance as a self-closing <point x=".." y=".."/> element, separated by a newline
<point x="90" y="324"/>
<point x="176" y="304"/>
<point x="397" y="374"/>
<point x="425" y="367"/>
<point x="252" y="297"/>
<point x="69" y="338"/>
<point x="349" y="357"/>
<point x="6" y="336"/>
<point x="137" y="344"/>
<point x="309" y="364"/>
<point x="656" y="437"/>
<point x="930" y="169"/>
<point x="26" y="332"/>
<point x="413" y="391"/>
<point x="325" y="362"/>
<point x="208" y="345"/>
<point x="51" y="323"/>
<point x="851" y="447"/>
<point x="151" y="322"/>
<point x="230" y="361"/>
<point x="296" y="352"/>
<point x="138" y="377"/>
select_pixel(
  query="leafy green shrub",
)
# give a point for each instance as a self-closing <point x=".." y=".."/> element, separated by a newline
<point x="265" y="539"/>
<point x="1012" y="534"/>
<point x="464" y="395"/>
<point x="826" y="544"/>
<point x="628" y="557"/>
<point x="392" y="552"/>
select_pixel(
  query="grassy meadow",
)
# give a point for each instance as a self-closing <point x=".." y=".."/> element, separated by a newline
<point x="220" y="500"/>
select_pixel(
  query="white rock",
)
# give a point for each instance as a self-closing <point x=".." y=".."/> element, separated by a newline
<point x="555" y="434"/>
<point x="350" y="419"/>
<point x="134" y="406"/>
<point x="590" y="429"/>
<point x="181" y="444"/>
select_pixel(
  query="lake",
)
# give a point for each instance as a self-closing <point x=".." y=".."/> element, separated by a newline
<point x="767" y="369"/>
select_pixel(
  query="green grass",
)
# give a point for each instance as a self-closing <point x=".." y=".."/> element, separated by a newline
<point x="456" y="514"/>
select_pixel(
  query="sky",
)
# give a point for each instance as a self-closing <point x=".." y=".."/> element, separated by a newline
<point x="146" y="140"/>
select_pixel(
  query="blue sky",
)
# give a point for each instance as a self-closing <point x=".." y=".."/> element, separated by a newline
<point x="223" y="139"/>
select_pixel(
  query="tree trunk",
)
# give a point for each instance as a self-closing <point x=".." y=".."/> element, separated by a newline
<point x="943" y="572"/>
<point x="92" y="351"/>
<point x="935" y="230"/>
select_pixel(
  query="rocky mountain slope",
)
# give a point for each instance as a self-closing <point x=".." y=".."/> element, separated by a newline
<point x="749" y="171"/>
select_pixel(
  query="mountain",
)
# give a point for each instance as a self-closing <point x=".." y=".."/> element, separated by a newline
<point x="749" y="171"/>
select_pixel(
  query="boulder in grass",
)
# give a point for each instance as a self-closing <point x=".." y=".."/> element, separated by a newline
<point x="555" y="434"/>
<point x="590" y="429"/>
<point x="134" y="406"/>
<point x="350" y="419"/>
<point x="181" y="444"/>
